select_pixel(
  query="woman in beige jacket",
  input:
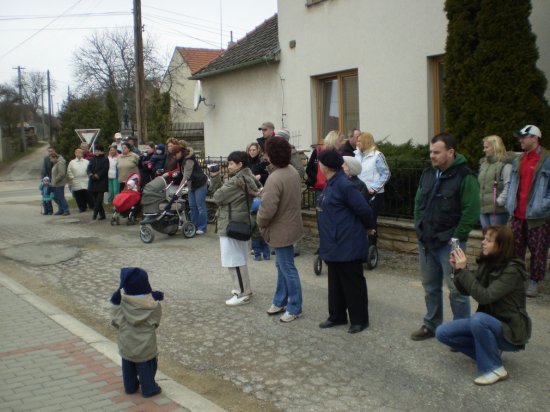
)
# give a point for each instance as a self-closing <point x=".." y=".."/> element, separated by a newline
<point x="280" y="221"/>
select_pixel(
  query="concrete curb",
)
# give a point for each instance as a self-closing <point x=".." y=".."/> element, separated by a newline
<point x="170" y="388"/>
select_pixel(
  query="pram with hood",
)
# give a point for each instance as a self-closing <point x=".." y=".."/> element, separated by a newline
<point x="165" y="210"/>
<point x="126" y="203"/>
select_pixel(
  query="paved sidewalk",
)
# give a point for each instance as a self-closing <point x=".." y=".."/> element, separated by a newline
<point x="49" y="361"/>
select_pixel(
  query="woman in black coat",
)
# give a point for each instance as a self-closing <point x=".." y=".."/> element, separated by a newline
<point x="98" y="184"/>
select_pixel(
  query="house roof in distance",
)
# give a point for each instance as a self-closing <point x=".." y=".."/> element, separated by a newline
<point x="259" y="46"/>
<point x="197" y="59"/>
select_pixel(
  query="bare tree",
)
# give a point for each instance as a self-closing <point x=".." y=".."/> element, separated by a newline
<point x="34" y="85"/>
<point x="106" y="61"/>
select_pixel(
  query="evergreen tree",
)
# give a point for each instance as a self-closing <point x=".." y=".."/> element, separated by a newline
<point x="492" y="84"/>
<point x="111" y="119"/>
<point x="81" y="113"/>
<point x="158" y="115"/>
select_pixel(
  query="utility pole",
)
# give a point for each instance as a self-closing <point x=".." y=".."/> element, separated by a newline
<point x="141" y="114"/>
<point x="49" y="108"/>
<point x="21" y="108"/>
<point x="43" y="122"/>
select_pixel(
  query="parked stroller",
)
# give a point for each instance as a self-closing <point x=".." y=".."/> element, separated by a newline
<point x="165" y="210"/>
<point x="126" y="203"/>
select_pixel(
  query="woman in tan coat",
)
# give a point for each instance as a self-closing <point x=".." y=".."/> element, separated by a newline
<point x="280" y="221"/>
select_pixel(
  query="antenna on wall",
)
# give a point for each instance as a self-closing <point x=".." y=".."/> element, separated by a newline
<point x="198" y="97"/>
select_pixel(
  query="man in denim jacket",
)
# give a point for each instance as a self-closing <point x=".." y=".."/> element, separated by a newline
<point x="528" y="203"/>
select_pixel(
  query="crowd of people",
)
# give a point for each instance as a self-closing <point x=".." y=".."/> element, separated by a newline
<point x="508" y="197"/>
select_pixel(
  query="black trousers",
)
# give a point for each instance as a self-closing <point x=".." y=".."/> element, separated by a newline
<point x="347" y="289"/>
<point x="83" y="199"/>
<point x="98" y="204"/>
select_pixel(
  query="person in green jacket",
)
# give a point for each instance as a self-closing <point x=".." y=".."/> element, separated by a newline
<point x="501" y="322"/>
<point x="447" y="206"/>
<point x="136" y="315"/>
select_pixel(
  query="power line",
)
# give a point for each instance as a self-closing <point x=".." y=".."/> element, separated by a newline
<point x="35" y="33"/>
<point x="45" y="16"/>
<point x="71" y="28"/>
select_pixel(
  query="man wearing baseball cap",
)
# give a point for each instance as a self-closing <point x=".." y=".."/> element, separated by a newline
<point x="528" y="205"/>
<point x="268" y="130"/>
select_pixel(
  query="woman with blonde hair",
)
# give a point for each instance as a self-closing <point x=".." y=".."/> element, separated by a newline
<point x="494" y="175"/>
<point x="375" y="172"/>
<point x="78" y="178"/>
<point x="315" y="178"/>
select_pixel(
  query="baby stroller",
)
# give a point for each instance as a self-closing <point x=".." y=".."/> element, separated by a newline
<point x="371" y="260"/>
<point x="165" y="210"/>
<point x="126" y="203"/>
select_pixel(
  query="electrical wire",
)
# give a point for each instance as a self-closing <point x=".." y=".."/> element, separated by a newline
<point x="43" y="28"/>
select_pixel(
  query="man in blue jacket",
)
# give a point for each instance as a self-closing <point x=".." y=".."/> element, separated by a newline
<point x="344" y="218"/>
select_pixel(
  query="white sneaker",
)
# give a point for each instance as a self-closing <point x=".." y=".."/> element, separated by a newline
<point x="489" y="378"/>
<point x="287" y="317"/>
<point x="236" y="300"/>
<point x="199" y="232"/>
<point x="273" y="310"/>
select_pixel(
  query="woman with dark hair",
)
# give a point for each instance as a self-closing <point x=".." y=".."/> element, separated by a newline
<point x="197" y="184"/>
<point x="501" y="322"/>
<point x="98" y="184"/>
<point x="280" y="221"/>
<point x="234" y="199"/>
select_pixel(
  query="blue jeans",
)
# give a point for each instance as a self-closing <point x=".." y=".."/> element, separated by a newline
<point x="142" y="373"/>
<point x="260" y="248"/>
<point x="434" y="267"/>
<point x="289" y="289"/>
<point x="59" y="198"/>
<point x="488" y="219"/>
<point x="197" y="204"/>
<point x="479" y="337"/>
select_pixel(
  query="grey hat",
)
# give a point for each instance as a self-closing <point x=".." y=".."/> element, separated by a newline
<point x="267" y="125"/>
<point x="353" y="164"/>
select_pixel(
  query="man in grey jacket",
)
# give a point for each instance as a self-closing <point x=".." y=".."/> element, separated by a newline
<point x="59" y="178"/>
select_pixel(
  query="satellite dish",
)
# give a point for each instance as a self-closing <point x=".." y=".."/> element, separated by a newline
<point x="198" y="98"/>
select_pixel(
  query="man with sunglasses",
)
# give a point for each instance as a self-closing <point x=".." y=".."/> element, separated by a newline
<point x="529" y="205"/>
<point x="268" y="130"/>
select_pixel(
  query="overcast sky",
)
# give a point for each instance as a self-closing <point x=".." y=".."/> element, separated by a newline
<point x="42" y="35"/>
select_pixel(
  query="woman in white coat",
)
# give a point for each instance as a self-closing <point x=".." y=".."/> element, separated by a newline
<point x="76" y="171"/>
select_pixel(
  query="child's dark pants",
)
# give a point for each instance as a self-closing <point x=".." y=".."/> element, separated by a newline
<point x="142" y="373"/>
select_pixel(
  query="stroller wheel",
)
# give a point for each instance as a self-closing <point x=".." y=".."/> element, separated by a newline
<point x="318" y="265"/>
<point x="146" y="234"/>
<point x="188" y="230"/>
<point x="113" y="221"/>
<point x="211" y="215"/>
<point x="131" y="219"/>
<point x="372" y="257"/>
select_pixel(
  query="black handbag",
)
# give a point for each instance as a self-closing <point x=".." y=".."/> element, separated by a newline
<point x="239" y="230"/>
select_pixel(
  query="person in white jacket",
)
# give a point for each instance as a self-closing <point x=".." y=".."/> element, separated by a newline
<point x="78" y="179"/>
<point x="375" y="172"/>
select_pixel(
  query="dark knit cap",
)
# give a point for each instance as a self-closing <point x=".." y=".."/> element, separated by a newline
<point x="331" y="159"/>
<point x="134" y="281"/>
<point x="99" y="146"/>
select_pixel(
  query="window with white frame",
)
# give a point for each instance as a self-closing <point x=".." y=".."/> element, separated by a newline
<point x="337" y="103"/>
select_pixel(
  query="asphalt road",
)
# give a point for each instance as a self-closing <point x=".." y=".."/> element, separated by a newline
<point x="241" y="358"/>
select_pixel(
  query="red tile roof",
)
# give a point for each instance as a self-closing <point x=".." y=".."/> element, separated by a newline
<point x="197" y="59"/>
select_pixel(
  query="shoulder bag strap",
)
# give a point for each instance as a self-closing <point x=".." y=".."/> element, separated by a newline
<point x="247" y="202"/>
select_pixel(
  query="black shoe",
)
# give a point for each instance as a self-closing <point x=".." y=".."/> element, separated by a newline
<point x="329" y="324"/>
<point x="58" y="213"/>
<point x="101" y="218"/>
<point x="422" y="334"/>
<point x="66" y="214"/>
<point x="357" y="328"/>
<point x="154" y="393"/>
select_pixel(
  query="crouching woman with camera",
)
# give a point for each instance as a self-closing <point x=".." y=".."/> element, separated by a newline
<point x="501" y="322"/>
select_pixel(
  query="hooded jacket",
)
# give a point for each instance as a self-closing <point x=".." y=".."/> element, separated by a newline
<point x="501" y="294"/>
<point x="493" y="171"/>
<point x="137" y="318"/>
<point x="232" y="195"/>
<point x="446" y="207"/>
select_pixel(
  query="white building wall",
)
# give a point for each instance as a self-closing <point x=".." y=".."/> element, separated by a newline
<point x="243" y="101"/>
<point x="388" y="42"/>
<point x="181" y="90"/>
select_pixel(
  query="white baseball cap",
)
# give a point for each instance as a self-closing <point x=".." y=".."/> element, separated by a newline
<point x="529" y="130"/>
